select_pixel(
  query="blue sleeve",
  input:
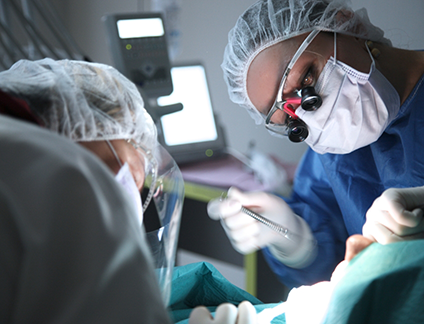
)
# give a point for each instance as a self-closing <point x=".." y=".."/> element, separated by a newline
<point x="313" y="199"/>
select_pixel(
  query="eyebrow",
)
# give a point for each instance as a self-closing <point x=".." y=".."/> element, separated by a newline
<point x="308" y="40"/>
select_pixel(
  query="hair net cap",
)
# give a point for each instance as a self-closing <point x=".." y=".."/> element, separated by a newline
<point x="268" y="22"/>
<point x="80" y="100"/>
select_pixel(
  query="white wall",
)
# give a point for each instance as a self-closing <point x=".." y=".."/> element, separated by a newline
<point x="205" y="25"/>
<point x="402" y="20"/>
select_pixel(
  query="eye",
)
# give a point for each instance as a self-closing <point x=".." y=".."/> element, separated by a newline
<point x="308" y="79"/>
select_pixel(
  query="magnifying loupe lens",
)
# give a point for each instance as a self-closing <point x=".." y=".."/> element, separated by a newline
<point x="310" y="99"/>
<point x="298" y="131"/>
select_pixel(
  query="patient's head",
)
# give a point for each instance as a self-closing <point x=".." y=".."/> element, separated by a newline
<point x="355" y="244"/>
<point x="316" y="298"/>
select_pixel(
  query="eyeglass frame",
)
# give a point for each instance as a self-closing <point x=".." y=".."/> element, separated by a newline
<point x="279" y="104"/>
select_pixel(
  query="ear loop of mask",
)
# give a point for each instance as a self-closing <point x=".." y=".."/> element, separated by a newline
<point x="335" y="48"/>
<point x="154" y="171"/>
<point x="150" y="159"/>
<point x="114" y="153"/>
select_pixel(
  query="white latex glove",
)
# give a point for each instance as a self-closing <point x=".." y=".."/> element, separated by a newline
<point x="225" y="314"/>
<point x="248" y="235"/>
<point x="396" y="216"/>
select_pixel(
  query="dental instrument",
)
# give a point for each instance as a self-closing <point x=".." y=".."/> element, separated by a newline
<point x="274" y="226"/>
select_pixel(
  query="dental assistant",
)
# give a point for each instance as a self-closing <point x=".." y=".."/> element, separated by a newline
<point x="71" y="246"/>
<point x="319" y="72"/>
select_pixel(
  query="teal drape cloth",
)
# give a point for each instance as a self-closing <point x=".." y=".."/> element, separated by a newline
<point x="383" y="284"/>
<point x="201" y="284"/>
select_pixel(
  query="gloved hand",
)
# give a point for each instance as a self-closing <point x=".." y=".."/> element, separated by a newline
<point x="225" y="314"/>
<point x="396" y="216"/>
<point x="248" y="235"/>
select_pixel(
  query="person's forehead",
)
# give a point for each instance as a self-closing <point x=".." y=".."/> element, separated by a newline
<point x="277" y="55"/>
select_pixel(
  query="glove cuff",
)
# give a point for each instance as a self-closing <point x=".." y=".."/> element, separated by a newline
<point x="304" y="253"/>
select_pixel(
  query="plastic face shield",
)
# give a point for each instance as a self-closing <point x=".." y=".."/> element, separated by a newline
<point x="284" y="105"/>
<point x="166" y="191"/>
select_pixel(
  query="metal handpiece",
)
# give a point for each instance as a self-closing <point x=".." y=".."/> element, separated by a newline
<point x="274" y="226"/>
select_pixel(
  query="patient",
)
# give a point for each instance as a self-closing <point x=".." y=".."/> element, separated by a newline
<point x="317" y="297"/>
<point x="383" y="284"/>
<point x="374" y="284"/>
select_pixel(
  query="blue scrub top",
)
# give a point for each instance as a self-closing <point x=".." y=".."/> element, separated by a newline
<point x="333" y="192"/>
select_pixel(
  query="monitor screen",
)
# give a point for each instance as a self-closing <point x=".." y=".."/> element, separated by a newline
<point x="139" y="28"/>
<point x="195" y="123"/>
<point x="191" y="133"/>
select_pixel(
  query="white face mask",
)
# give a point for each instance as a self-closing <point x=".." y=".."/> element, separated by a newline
<point x="126" y="179"/>
<point x="356" y="108"/>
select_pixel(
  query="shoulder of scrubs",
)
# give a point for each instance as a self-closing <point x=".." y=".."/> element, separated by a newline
<point x="70" y="247"/>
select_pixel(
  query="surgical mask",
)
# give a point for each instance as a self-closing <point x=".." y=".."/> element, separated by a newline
<point x="357" y="107"/>
<point x="126" y="179"/>
<point x="166" y="190"/>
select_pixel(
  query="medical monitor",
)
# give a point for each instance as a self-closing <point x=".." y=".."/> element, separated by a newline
<point x="139" y="50"/>
<point x="193" y="133"/>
